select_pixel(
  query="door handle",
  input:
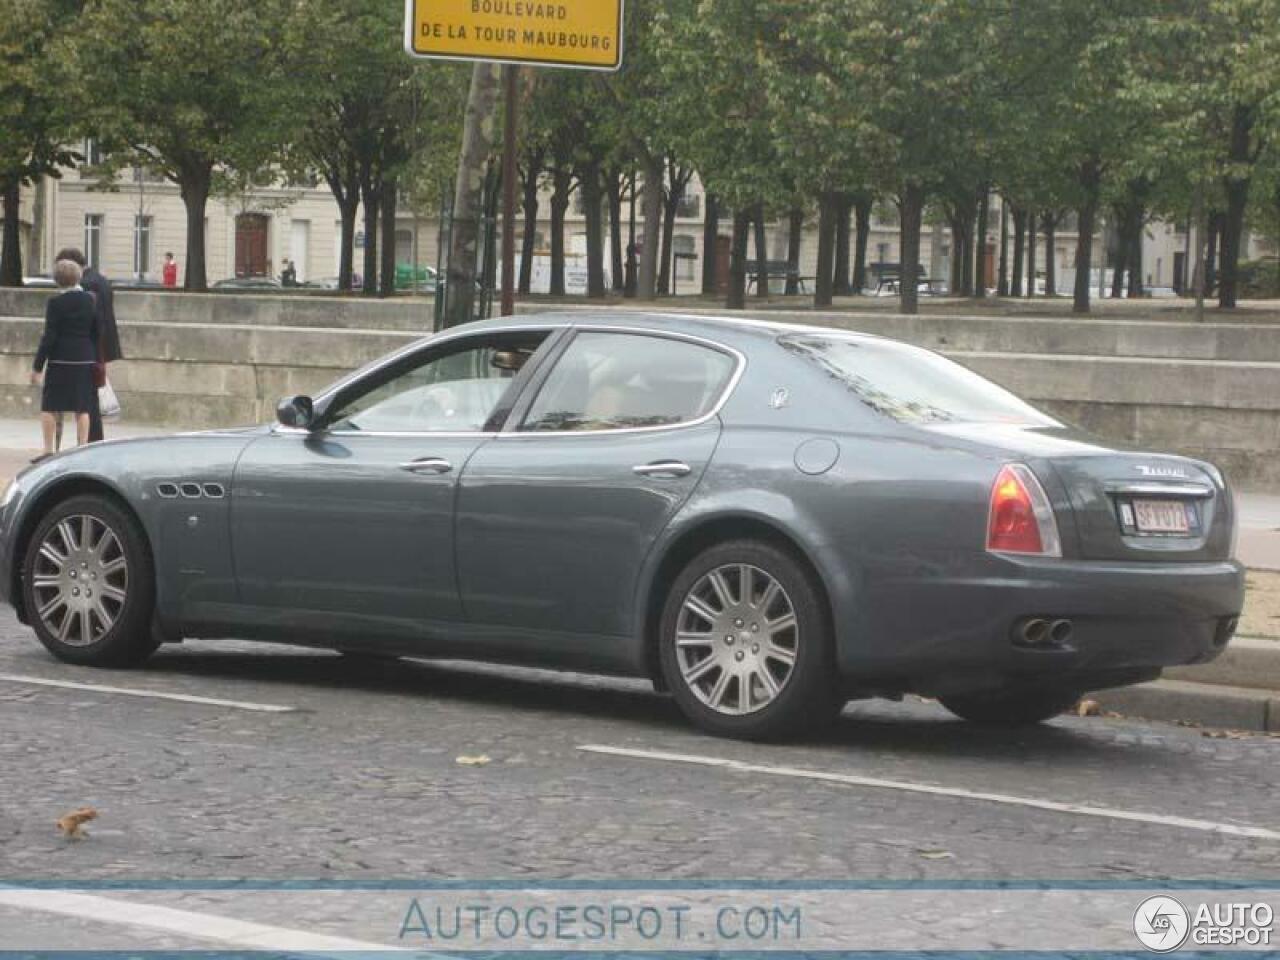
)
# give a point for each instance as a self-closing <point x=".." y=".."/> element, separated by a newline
<point x="663" y="468"/>
<point x="428" y="465"/>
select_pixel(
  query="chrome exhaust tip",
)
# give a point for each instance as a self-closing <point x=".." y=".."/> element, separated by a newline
<point x="1035" y="633"/>
<point x="1060" y="633"/>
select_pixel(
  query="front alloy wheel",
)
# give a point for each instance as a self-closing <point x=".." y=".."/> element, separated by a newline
<point x="745" y="644"/>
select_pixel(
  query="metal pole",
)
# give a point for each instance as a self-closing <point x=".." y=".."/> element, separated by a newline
<point x="509" y="195"/>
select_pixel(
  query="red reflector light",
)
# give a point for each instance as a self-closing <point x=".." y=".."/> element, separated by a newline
<point x="1021" y="519"/>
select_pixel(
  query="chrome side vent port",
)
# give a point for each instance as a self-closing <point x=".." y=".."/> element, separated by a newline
<point x="167" y="490"/>
<point x="214" y="491"/>
<point x="1043" y="633"/>
<point x="192" y="491"/>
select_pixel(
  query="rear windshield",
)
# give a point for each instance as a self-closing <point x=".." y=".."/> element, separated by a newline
<point x="912" y="385"/>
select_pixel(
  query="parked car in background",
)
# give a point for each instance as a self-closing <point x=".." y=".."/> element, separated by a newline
<point x="246" y="283"/>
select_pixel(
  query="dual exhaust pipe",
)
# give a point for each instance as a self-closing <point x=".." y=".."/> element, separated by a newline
<point x="1040" y="633"/>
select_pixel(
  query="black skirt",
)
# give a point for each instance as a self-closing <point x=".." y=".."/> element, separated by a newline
<point x="68" y="388"/>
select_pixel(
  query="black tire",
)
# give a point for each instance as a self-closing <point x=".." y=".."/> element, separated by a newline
<point x="129" y="639"/>
<point x="1012" y="708"/>
<point x="808" y="696"/>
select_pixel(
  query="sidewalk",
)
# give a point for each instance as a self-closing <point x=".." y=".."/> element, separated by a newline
<point x="1241" y="689"/>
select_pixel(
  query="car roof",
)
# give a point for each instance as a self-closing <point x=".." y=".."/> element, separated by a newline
<point x="725" y="327"/>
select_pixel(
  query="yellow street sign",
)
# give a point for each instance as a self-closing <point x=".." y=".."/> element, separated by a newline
<point x="569" y="33"/>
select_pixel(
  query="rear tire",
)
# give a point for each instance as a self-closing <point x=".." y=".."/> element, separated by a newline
<point x="1011" y="708"/>
<point x="745" y="644"/>
<point x="88" y="583"/>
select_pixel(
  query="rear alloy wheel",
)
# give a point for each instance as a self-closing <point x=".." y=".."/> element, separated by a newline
<point x="745" y="644"/>
<point x="89" y="584"/>
<point x="1012" y="708"/>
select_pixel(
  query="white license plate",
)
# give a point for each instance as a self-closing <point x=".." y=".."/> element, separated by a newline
<point x="1161" y="516"/>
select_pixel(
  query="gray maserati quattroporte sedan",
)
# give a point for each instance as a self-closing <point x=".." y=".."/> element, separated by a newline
<point x="767" y="520"/>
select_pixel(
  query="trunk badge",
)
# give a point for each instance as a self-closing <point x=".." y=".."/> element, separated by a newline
<point x="1162" y="472"/>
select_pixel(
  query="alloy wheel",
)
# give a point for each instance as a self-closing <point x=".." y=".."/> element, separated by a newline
<point x="80" y="580"/>
<point x="737" y="638"/>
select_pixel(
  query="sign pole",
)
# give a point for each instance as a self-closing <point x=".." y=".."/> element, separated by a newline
<point x="509" y="192"/>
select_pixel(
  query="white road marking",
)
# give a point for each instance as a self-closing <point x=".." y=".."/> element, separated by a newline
<point x="1110" y="813"/>
<point x="153" y="694"/>
<point x="206" y="926"/>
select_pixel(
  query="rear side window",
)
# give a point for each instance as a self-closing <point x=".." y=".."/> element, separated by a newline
<point x="616" y="381"/>
<point x="912" y="385"/>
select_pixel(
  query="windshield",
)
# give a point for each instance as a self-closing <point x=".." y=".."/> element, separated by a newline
<point x="910" y="384"/>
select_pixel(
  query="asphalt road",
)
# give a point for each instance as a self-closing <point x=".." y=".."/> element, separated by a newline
<point x="356" y="777"/>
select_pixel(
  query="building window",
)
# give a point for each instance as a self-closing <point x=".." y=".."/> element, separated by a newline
<point x="141" y="246"/>
<point x="689" y="206"/>
<point x="93" y="238"/>
<point x="93" y="155"/>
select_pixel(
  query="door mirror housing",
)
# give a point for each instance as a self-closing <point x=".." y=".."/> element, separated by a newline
<point x="297" y="412"/>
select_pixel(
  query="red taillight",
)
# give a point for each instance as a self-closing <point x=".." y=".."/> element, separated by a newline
<point x="1021" y="518"/>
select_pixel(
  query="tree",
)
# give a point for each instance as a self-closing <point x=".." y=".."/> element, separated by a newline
<point x="185" y="87"/>
<point x="36" y="120"/>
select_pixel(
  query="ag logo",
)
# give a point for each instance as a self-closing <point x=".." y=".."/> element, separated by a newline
<point x="1161" y="924"/>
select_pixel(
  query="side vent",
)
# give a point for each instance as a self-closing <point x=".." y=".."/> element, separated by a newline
<point x="192" y="491"/>
<point x="214" y="491"/>
<point x="167" y="490"/>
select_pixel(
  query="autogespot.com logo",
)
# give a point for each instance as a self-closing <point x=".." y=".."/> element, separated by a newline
<point x="1161" y="924"/>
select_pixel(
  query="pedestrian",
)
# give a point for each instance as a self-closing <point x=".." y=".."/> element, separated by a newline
<point x="69" y="349"/>
<point x="170" y="271"/>
<point x="108" y="335"/>
<point x="289" y="275"/>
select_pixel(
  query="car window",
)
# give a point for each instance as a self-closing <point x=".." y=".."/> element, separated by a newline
<point x="456" y="391"/>
<point x="613" y="381"/>
<point x="912" y="385"/>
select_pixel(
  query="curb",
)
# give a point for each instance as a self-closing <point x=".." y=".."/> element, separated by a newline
<point x="1251" y="662"/>
<point x="1203" y="704"/>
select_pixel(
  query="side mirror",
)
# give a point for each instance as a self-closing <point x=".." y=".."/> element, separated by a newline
<point x="297" y="412"/>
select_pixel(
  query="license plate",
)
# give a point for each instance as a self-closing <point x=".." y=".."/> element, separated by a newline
<point x="1161" y="516"/>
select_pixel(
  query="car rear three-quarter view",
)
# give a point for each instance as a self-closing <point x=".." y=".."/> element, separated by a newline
<point x="766" y="520"/>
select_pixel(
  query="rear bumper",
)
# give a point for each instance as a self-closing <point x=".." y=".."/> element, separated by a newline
<point x="1128" y="621"/>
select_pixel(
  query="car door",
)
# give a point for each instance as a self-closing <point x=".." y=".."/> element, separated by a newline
<point x="349" y="526"/>
<point x="556" y="515"/>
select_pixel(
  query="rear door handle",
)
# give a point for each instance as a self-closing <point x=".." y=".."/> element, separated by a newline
<point x="428" y="465"/>
<point x="663" y="468"/>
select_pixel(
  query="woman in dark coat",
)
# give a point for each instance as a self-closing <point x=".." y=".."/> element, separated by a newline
<point x="70" y="349"/>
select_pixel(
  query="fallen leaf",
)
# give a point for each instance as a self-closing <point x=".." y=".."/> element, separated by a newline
<point x="477" y="761"/>
<point x="936" y="854"/>
<point x="1088" y="708"/>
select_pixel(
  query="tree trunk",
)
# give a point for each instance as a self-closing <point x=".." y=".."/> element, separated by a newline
<point x="1135" y="257"/>
<point x="371" y="197"/>
<point x="562" y="183"/>
<point x="194" y="188"/>
<point x="966" y="262"/>
<point x="710" y="243"/>
<point x="646" y="287"/>
<point x="347" y="210"/>
<point x="828" y="225"/>
<point x="1019" y="250"/>
<point x="955" y="282"/>
<point x="1120" y="263"/>
<point x="616" y="268"/>
<point x="11" y="256"/>
<point x="911" y="213"/>
<point x="1211" y="257"/>
<point x="1090" y="177"/>
<point x="862" y="218"/>
<point x="629" y="283"/>
<point x="1050" y="255"/>
<point x="737" y="298"/>
<point x="1002" y="281"/>
<point x="762" y="254"/>
<point x="1237" y="190"/>
<point x="795" y="235"/>
<point x="529" y="242"/>
<point x="479" y="125"/>
<point x="1031" y="253"/>
<point x="592" y="199"/>
<point x="669" y="205"/>
<point x="841" y="286"/>
<point x="387" y="278"/>
<point x="980" y="269"/>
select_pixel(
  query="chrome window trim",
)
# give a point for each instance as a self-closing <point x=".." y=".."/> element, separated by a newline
<point x="738" y="356"/>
